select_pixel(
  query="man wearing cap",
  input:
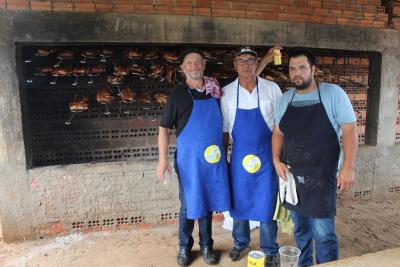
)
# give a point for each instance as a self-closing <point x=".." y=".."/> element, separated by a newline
<point x="248" y="107"/>
<point x="200" y="160"/>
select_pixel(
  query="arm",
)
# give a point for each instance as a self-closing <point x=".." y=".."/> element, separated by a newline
<point x="350" y="144"/>
<point x="163" y="142"/>
<point x="265" y="60"/>
<point x="277" y="147"/>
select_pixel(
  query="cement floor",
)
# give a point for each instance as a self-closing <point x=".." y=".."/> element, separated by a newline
<point x="362" y="227"/>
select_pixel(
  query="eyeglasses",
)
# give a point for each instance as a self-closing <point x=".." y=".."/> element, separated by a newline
<point x="248" y="61"/>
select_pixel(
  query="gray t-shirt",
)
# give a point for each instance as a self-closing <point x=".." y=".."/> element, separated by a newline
<point x="334" y="99"/>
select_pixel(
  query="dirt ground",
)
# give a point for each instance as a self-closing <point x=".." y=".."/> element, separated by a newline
<point x="362" y="227"/>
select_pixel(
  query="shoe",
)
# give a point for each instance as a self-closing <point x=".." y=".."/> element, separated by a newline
<point x="236" y="253"/>
<point x="272" y="261"/>
<point x="209" y="256"/>
<point x="183" y="257"/>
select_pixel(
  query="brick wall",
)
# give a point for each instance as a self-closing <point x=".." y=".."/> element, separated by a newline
<point x="365" y="13"/>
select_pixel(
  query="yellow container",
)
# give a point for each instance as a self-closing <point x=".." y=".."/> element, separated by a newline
<point x="255" y="259"/>
<point x="277" y="57"/>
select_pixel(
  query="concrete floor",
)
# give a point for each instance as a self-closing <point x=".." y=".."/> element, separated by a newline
<point x="363" y="227"/>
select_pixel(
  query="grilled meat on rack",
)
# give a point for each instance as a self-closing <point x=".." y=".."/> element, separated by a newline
<point x="127" y="95"/>
<point x="79" y="104"/>
<point x="104" y="96"/>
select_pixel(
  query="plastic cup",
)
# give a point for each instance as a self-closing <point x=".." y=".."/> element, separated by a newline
<point x="289" y="256"/>
<point x="167" y="177"/>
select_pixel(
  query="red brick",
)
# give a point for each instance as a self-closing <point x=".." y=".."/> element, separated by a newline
<point x="237" y="13"/>
<point x="289" y="9"/>
<point x="343" y="21"/>
<point x="254" y="14"/>
<point x="62" y="6"/>
<point x="329" y="4"/>
<point x="164" y="2"/>
<point x="320" y="11"/>
<point x="17" y="5"/>
<point x="362" y="2"/>
<point x="285" y="16"/>
<point x="368" y="15"/>
<point x="221" y="4"/>
<point x="370" y="8"/>
<point x="103" y="7"/>
<point x="379" y="24"/>
<point x="381" y="16"/>
<point x="203" y="3"/>
<point x="257" y="6"/>
<point x="202" y="11"/>
<point x="274" y="7"/>
<point x="271" y="15"/>
<point x="163" y="9"/>
<point x="315" y="19"/>
<point x="146" y="9"/>
<point x="220" y="12"/>
<point x="123" y="8"/>
<point x="354" y="61"/>
<point x="396" y="10"/>
<point x="306" y="10"/>
<point x="364" y="61"/>
<point x="184" y="3"/>
<point x="98" y="1"/>
<point x="329" y="20"/>
<point x="366" y="22"/>
<point x="356" y="7"/>
<point x="41" y="6"/>
<point x="239" y="4"/>
<point x="314" y="3"/>
<point x="183" y="10"/>
<point x="301" y="17"/>
<point x="84" y="7"/>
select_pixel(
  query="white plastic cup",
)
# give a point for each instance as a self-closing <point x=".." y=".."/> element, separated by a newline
<point x="167" y="177"/>
<point x="289" y="256"/>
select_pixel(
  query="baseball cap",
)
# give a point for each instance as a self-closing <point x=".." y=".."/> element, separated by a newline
<point x="245" y="50"/>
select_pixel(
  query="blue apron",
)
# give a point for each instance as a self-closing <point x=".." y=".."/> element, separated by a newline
<point x="201" y="160"/>
<point x="254" y="183"/>
<point x="311" y="148"/>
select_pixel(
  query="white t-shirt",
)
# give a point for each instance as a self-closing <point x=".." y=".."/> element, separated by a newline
<point x="269" y="98"/>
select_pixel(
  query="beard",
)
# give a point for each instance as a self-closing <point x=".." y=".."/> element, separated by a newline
<point x="303" y="84"/>
<point x="195" y="75"/>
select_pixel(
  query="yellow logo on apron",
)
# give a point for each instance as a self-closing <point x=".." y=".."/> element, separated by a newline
<point x="251" y="163"/>
<point x="212" y="154"/>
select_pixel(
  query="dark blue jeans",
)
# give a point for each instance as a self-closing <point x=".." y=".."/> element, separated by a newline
<point x="186" y="225"/>
<point x="268" y="233"/>
<point x="322" y="231"/>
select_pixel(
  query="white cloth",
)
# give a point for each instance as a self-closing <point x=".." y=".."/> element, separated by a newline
<point x="269" y="97"/>
<point x="228" y="222"/>
<point x="287" y="189"/>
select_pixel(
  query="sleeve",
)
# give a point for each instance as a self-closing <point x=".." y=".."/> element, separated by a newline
<point x="277" y="94"/>
<point x="168" y="119"/>
<point x="225" y="112"/>
<point x="342" y="106"/>
<point x="280" y="109"/>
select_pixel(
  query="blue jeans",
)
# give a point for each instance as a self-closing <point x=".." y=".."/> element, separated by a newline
<point x="268" y="233"/>
<point x="322" y="230"/>
<point x="186" y="225"/>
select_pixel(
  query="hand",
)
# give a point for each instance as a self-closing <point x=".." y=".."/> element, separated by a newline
<point x="345" y="179"/>
<point x="163" y="166"/>
<point x="269" y="56"/>
<point x="281" y="168"/>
